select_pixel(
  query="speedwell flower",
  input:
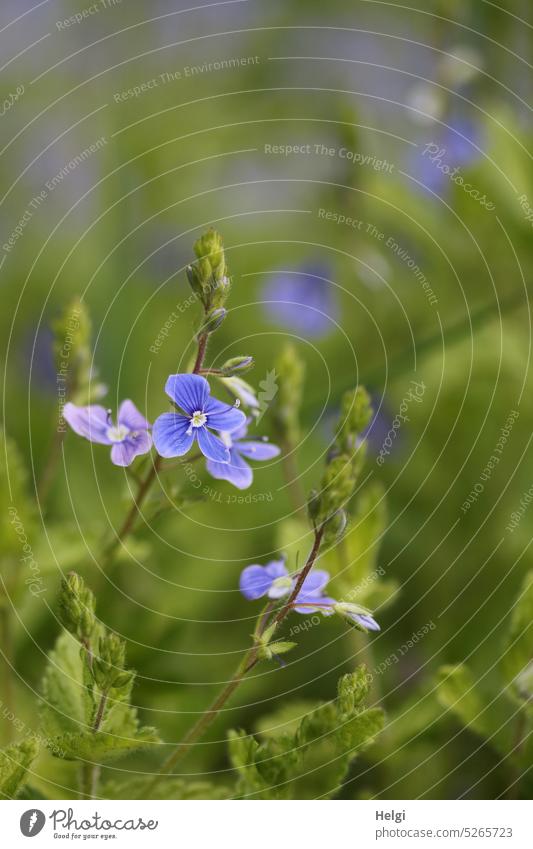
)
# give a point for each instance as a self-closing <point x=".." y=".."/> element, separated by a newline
<point x="129" y="437"/>
<point x="174" y="433"/>
<point x="237" y="471"/>
<point x="274" y="581"/>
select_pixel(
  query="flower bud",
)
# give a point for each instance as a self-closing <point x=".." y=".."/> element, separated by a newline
<point x="335" y="527"/>
<point x="338" y="485"/>
<point x="209" y="249"/>
<point x="355" y="416"/>
<point x="313" y="506"/>
<point x="76" y="607"/>
<point x="213" y="321"/>
<point x="108" y="667"/>
<point x="240" y="364"/>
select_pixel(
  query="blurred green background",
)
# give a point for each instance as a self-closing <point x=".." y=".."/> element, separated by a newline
<point x="377" y="79"/>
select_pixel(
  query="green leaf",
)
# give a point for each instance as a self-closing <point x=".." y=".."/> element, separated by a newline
<point x="168" y="788"/>
<point x="306" y="756"/>
<point x="67" y="704"/>
<point x="519" y="644"/>
<point x="15" y="762"/>
<point x="101" y="746"/>
<point x="486" y="713"/>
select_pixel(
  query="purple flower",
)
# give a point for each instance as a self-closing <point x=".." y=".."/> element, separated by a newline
<point x="302" y="300"/>
<point x="174" y="433"/>
<point x="274" y="581"/>
<point x="237" y="471"/>
<point x="129" y="437"/>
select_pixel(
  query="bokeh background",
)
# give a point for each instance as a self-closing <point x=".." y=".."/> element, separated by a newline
<point x="425" y="283"/>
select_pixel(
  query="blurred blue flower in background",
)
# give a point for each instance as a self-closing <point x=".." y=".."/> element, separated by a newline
<point x="455" y="146"/>
<point x="302" y="300"/>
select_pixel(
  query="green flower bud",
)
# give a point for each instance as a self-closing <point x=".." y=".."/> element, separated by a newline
<point x="76" y="607"/>
<point x="240" y="364"/>
<point x="213" y="321"/>
<point x="335" y="527"/>
<point x="313" y="506"/>
<point x="355" y="415"/>
<point x="338" y="484"/>
<point x="195" y="281"/>
<point x="108" y="667"/>
<point x="209" y="249"/>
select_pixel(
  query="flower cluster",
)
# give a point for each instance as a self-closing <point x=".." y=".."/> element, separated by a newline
<point x="219" y="429"/>
<point x="274" y="581"/>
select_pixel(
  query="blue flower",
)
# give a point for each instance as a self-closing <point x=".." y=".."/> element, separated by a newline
<point x="274" y="581"/>
<point x="129" y="437"/>
<point x="237" y="471"/>
<point x="174" y="433"/>
<point x="302" y="300"/>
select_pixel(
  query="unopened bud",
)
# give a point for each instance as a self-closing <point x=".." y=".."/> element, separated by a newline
<point x="213" y="321"/>
<point x="76" y="607"/>
<point x="238" y="364"/>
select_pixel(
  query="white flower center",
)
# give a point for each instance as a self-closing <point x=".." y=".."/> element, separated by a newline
<point x="282" y="583"/>
<point x="117" y="433"/>
<point x="198" y="419"/>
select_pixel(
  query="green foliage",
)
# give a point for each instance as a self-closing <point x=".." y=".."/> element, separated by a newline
<point x="17" y="510"/>
<point x="519" y="644"/>
<point x="73" y="355"/>
<point x="290" y="371"/>
<point x="85" y="710"/>
<point x="315" y="749"/>
<point x="168" y="788"/>
<point x="15" y="762"/>
<point x="499" y="710"/>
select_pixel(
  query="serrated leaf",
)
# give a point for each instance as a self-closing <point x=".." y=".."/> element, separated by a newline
<point x="100" y="747"/>
<point x="67" y="705"/>
<point x="519" y="644"/>
<point x="15" y="762"/>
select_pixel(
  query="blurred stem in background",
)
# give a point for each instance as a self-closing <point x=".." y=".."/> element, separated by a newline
<point x="289" y="369"/>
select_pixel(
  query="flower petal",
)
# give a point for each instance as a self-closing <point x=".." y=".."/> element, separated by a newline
<point x="366" y="621"/>
<point x="89" y="422"/>
<point x="223" y="416"/>
<point x="237" y="471"/>
<point x="276" y="569"/>
<point x="315" y="582"/>
<point x="123" y="453"/>
<point x="307" y="603"/>
<point x="254" y="582"/>
<point x="257" y="450"/>
<point x="211" y="446"/>
<point x="188" y="391"/>
<point x="172" y="435"/>
<point x="129" y="415"/>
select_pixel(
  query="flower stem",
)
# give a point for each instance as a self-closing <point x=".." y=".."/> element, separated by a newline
<point x="146" y="483"/>
<point x="247" y="664"/>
